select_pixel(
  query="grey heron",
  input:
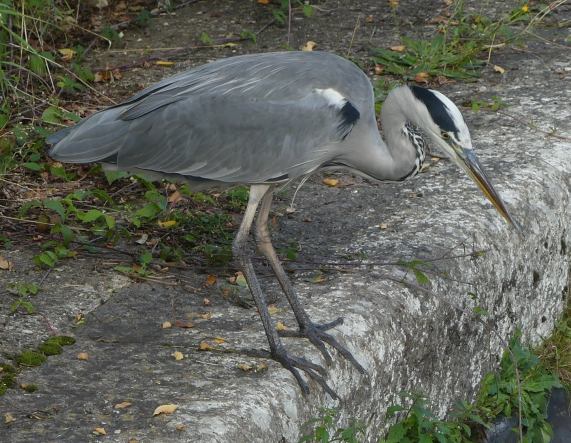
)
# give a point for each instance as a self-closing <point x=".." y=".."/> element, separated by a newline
<point x="264" y="120"/>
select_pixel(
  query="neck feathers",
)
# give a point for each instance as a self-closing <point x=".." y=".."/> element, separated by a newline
<point x="416" y="139"/>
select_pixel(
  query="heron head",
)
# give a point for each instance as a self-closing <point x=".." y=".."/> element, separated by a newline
<point x="446" y="127"/>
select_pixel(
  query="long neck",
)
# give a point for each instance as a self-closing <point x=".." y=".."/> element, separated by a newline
<point x="401" y="156"/>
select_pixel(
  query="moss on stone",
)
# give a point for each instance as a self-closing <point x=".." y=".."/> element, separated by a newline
<point x="30" y="358"/>
<point x="29" y="387"/>
<point x="60" y="340"/>
<point x="50" y="348"/>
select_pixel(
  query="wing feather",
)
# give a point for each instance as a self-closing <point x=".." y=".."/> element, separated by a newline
<point x="246" y="119"/>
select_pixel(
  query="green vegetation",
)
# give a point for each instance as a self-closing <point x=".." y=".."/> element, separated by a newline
<point x="459" y="49"/>
<point x="323" y="430"/>
<point x="281" y="12"/>
<point x="508" y="392"/>
<point x="31" y="358"/>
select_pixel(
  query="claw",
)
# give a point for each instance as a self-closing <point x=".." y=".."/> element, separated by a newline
<point x="316" y="334"/>
<point x="314" y="371"/>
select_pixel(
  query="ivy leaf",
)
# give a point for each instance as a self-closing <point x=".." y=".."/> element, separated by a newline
<point x="56" y="206"/>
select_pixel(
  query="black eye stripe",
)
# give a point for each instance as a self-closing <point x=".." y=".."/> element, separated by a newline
<point x="437" y="109"/>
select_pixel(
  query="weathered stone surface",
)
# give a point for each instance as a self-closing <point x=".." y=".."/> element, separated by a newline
<point x="408" y="338"/>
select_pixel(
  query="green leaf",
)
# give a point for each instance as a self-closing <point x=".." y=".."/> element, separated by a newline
<point x="110" y="221"/>
<point x="52" y="115"/>
<point x="113" y="176"/>
<point x="421" y="277"/>
<point x="124" y="269"/>
<point x="66" y="233"/>
<point x="56" y="206"/>
<point x="33" y="166"/>
<point x="37" y="64"/>
<point x="308" y="10"/>
<point x="206" y="39"/>
<point x="392" y="410"/>
<point x="3" y="119"/>
<point x="46" y="258"/>
<point x="60" y="172"/>
<point x="396" y="433"/>
<point x="91" y="216"/>
<point x="25" y="304"/>
<point x="145" y="258"/>
<point x="148" y="211"/>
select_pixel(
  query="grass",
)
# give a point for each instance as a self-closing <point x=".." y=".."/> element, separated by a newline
<point x="461" y="47"/>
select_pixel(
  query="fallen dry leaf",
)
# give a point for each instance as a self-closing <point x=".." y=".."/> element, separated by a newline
<point x="66" y="53"/>
<point x="5" y="264"/>
<point x="206" y="316"/>
<point x="309" y="46"/>
<point x="439" y="19"/>
<point x="210" y="280"/>
<point x="123" y="405"/>
<point x="165" y="409"/>
<point x="422" y="77"/>
<point x="206" y="301"/>
<point x="219" y="340"/>
<point x="246" y="367"/>
<point x="264" y="2"/>
<point x="180" y="427"/>
<point x="398" y="48"/>
<point x="175" y="197"/>
<point x="164" y="63"/>
<point x="319" y="278"/>
<point x="184" y="324"/>
<point x="107" y="76"/>
<point x="280" y="326"/>
<point x="393" y="4"/>
<point x="166" y="325"/>
<point x="379" y="69"/>
<point x="331" y="182"/>
<point x="383" y="226"/>
<point x="178" y="355"/>
<point x="272" y="309"/>
<point x="8" y="418"/>
<point x="204" y="346"/>
<point x="238" y="279"/>
<point x="241" y="280"/>
<point x="167" y="223"/>
<point x="369" y="19"/>
<point x="143" y="239"/>
<point x="99" y="431"/>
<point x="499" y="69"/>
<point x="83" y="356"/>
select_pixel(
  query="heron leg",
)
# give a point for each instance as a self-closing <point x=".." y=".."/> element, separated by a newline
<point x="277" y="350"/>
<point x="315" y="333"/>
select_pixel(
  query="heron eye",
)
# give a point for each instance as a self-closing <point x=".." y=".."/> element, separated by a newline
<point x="445" y="135"/>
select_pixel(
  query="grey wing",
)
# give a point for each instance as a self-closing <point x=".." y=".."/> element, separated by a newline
<point x="231" y="140"/>
<point x="245" y="119"/>
<point x="227" y="139"/>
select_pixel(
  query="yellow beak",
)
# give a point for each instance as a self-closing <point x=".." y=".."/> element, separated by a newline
<point x="469" y="162"/>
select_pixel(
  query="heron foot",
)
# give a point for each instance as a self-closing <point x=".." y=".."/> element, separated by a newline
<point x="315" y="372"/>
<point x="316" y="334"/>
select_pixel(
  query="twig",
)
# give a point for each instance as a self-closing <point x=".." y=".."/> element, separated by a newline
<point x="288" y="21"/>
<point x="353" y="35"/>
<point x="531" y="126"/>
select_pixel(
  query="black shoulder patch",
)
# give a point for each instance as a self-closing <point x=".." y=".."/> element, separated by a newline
<point x="438" y="110"/>
<point x="349" y="116"/>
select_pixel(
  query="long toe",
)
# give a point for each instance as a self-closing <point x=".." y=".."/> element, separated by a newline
<point x="316" y="334"/>
<point x="315" y="372"/>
